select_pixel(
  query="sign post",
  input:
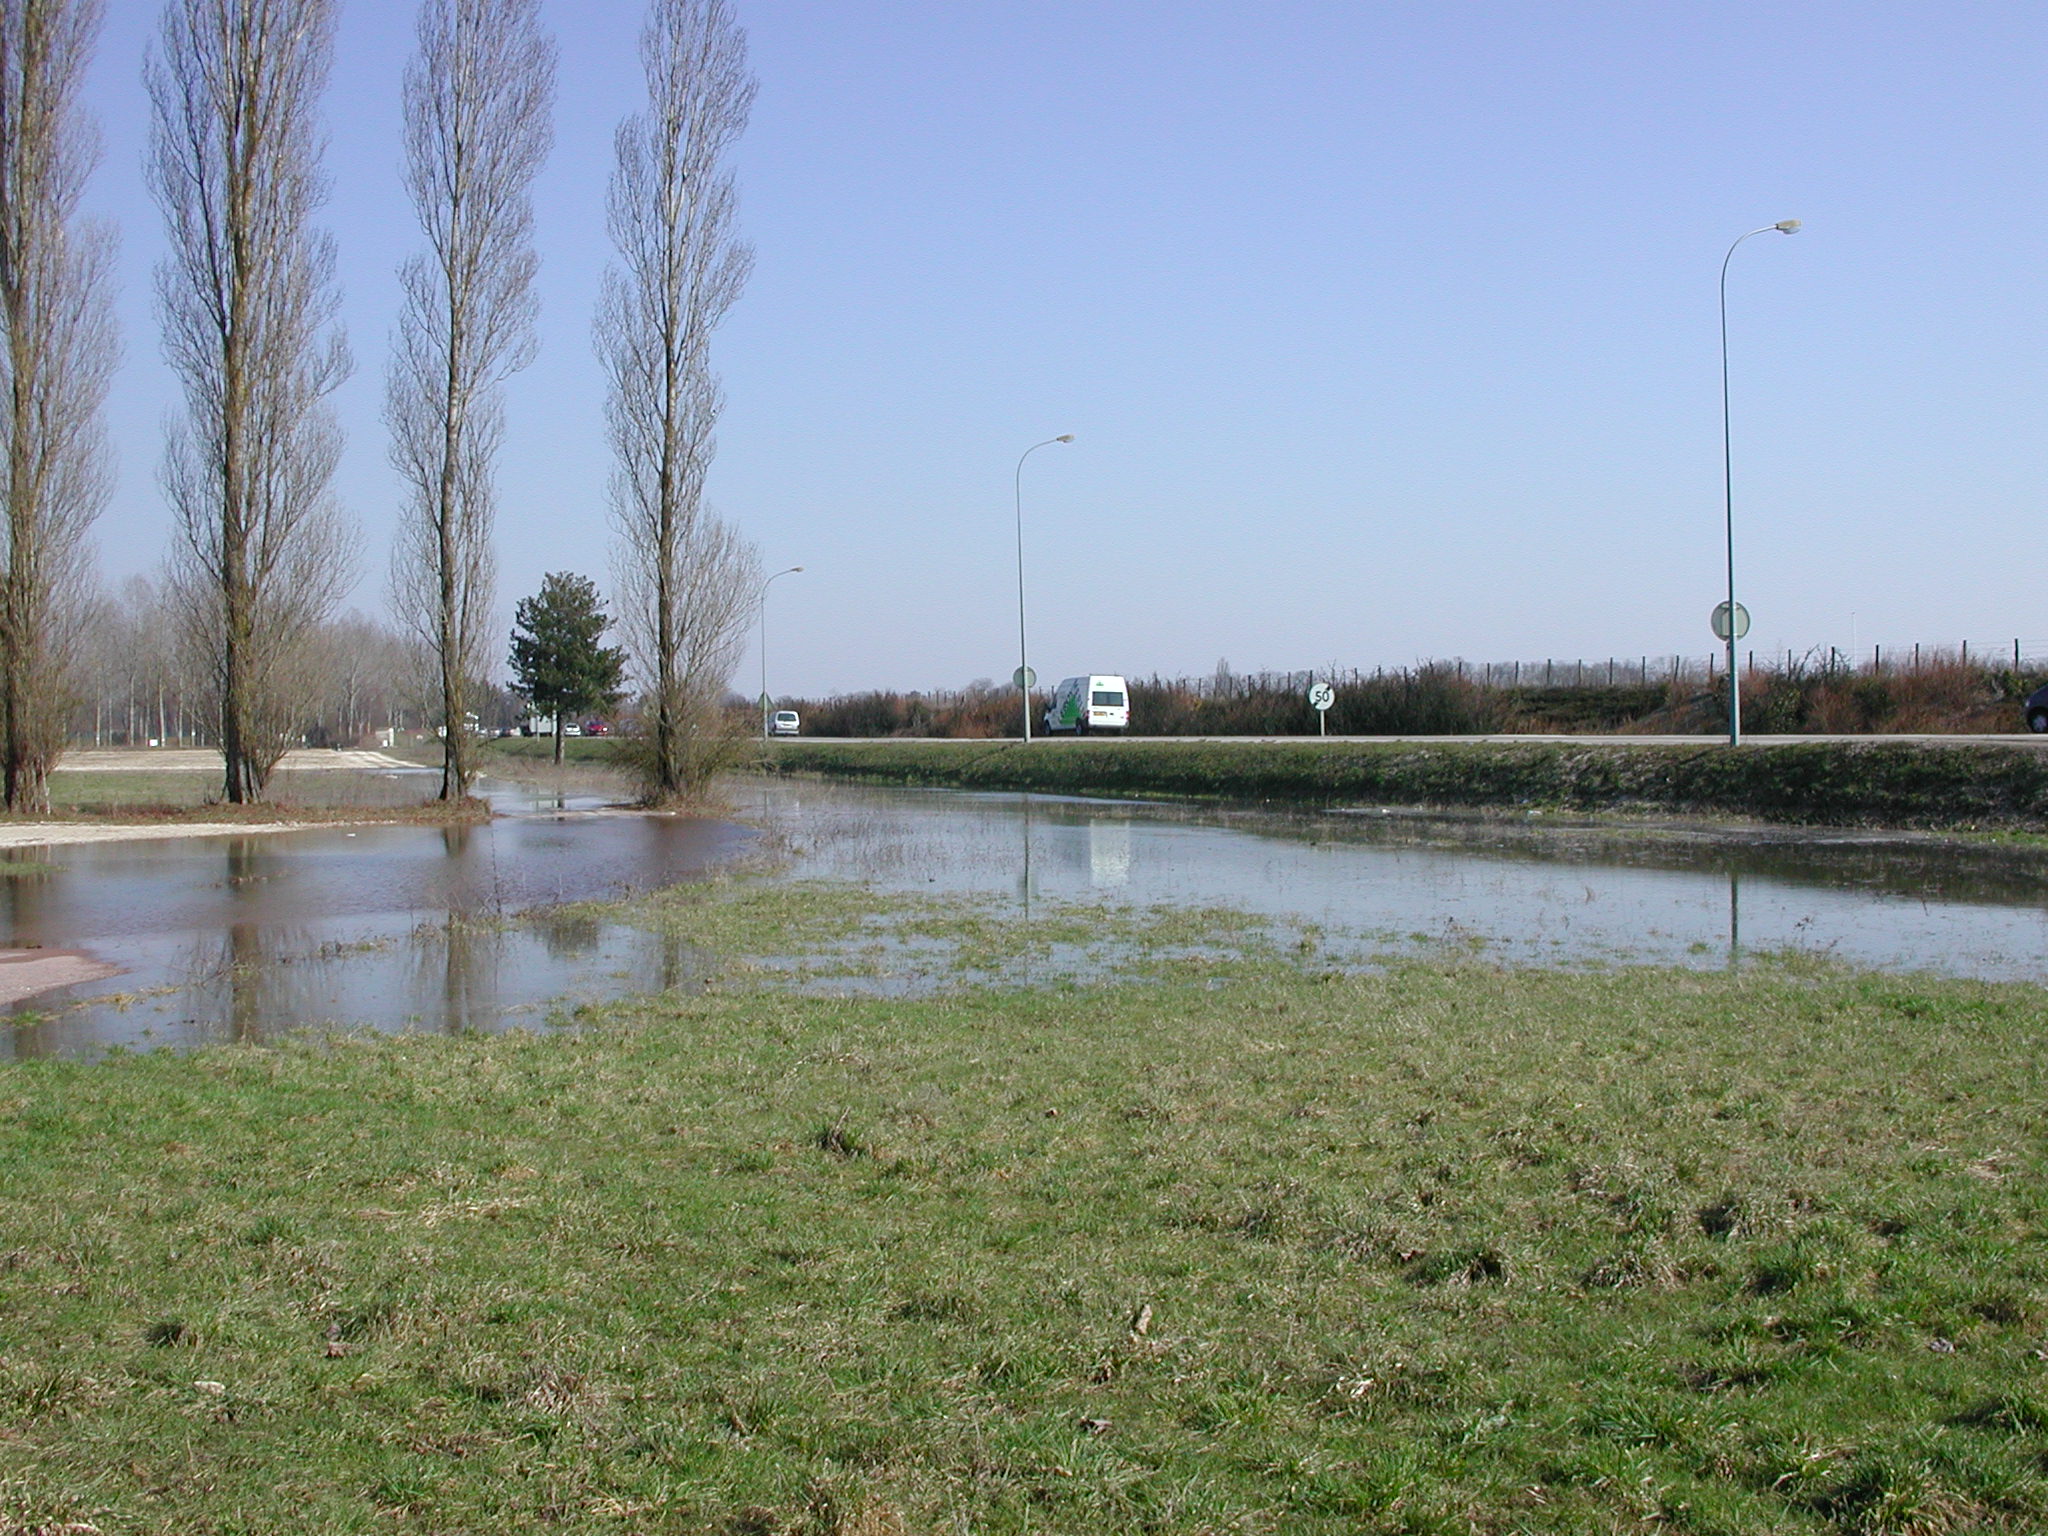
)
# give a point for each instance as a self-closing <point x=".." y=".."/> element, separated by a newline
<point x="1025" y="679"/>
<point x="1731" y="623"/>
<point x="1320" y="697"/>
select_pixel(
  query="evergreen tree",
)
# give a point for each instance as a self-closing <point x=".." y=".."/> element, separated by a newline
<point x="559" y="661"/>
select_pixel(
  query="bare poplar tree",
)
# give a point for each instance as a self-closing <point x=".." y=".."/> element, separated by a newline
<point x="686" y="579"/>
<point x="478" y="95"/>
<point x="59" y="351"/>
<point x="247" y="299"/>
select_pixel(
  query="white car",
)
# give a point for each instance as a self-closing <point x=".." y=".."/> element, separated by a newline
<point x="783" y="722"/>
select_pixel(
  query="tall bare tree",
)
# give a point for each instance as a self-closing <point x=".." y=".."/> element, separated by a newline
<point x="58" y="353"/>
<point x="247" y="298"/>
<point x="686" y="579"/>
<point x="478" y="95"/>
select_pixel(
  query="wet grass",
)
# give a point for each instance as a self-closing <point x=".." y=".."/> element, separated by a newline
<point x="1241" y="1242"/>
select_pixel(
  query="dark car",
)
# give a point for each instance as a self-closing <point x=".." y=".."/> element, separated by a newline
<point x="2037" y="710"/>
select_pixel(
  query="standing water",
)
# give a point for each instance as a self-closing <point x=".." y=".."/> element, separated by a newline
<point x="382" y="927"/>
<point x="1524" y="889"/>
<point x="401" y="927"/>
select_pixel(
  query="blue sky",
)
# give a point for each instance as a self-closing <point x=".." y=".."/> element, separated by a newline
<point x="1386" y="331"/>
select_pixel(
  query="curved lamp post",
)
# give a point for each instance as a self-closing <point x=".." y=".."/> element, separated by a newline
<point x="1023" y="650"/>
<point x="1783" y="227"/>
<point x="764" y="644"/>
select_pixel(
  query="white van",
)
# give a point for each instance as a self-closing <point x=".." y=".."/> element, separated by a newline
<point x="1093" y="703"/>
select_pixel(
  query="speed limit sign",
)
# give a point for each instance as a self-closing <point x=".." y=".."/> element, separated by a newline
<point x="1320" y="697"/>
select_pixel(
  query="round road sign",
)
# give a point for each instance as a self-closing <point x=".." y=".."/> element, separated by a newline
<point x="1720" y="621"/>
<point x="1321" y="695"/>
<point x="1024" y="677"/>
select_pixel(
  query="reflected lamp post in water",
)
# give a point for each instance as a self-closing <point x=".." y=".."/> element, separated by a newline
<point x="1023" y="650"/>
<point x="1783" y="227"/>
<point x="791" y="571"/>
<point x="1734" y="919"/>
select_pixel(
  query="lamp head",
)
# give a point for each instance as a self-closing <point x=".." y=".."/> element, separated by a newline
<point x="1064" y="437"/>
<point x="1787" y="226"/>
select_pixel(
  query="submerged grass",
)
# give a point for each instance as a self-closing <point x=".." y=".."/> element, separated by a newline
<point x="1242" y="1243"/>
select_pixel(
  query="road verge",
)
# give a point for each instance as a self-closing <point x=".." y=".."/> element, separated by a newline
<point x="1862" y="784"/>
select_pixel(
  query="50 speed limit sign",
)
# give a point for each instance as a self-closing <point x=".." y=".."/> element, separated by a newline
<point x="1320" y="697"/>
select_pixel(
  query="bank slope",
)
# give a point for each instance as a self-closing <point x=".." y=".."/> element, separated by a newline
<point x="1876" y="784"/>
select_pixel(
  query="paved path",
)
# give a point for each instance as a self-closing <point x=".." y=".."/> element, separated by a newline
<point x="207" y="760"/>
<point x="46" y="834"/>
<point x="25" y="972"/>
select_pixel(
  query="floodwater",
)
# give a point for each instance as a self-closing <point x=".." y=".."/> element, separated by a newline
<point x="391" y="927"/>
<point x="1523" y="890"/>
<point x="248" y="938"/>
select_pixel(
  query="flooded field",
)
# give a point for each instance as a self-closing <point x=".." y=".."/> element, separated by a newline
<point x="1524" y="890"/>
<point x="382" y="927"/>
<point x="396" y="927"/>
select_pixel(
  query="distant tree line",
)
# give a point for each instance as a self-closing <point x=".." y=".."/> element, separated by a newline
<point x="355" y="677"/>
<point x="242" y="648"/>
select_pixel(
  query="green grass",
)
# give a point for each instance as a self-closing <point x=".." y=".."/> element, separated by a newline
<point x="310" y="795"/>
<point x="575" y="749"/>
<point x="1445" y="1248"/>
<point x="1884" y="784"/>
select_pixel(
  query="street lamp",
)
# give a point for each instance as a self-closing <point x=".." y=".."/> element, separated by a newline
<point x="1735" y="627"/>
<point x="1023" y="651"/>
<point x="764" y="644"/>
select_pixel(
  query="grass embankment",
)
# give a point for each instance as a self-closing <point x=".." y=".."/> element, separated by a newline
<point x="1250" y="1246"/>
<point x="1903" y="784"/>
<point x="575" y="749"/>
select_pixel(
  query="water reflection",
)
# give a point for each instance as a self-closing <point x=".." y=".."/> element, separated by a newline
<point x="457" y="929"/>
<point x="1532" y="890"/>
<point x="252" y="938"/>
<point x="1734" y="920"/>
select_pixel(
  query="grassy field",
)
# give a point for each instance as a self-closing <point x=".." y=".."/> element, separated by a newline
<point x="184" y="795"/>
<point x="575" y="749"/>
<point x="1889" y="784"/>
<point x="1241" y="1243"/>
